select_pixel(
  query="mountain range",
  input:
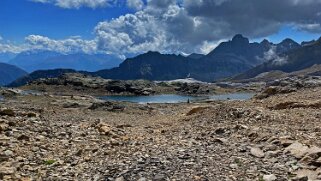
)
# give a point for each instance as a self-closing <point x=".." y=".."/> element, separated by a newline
<point x="237" y="58"/>
<point x="44" y="60"/>
<point x="228" y="59"/>
<point x="298" y="59"/>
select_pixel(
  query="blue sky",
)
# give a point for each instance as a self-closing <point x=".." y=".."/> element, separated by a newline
<point x="135" y="26"/>
<point x="20" y="18"/>
<point x="291" y="32"/>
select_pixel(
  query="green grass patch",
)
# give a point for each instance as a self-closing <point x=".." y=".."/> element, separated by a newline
<point x="49" y="162"/>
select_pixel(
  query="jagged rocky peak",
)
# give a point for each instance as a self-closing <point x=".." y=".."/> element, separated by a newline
<point x="240" y="39"/>
<point x="289" y="42"/>
<point x="265" y="42"/>
<point x="287" y="45"/>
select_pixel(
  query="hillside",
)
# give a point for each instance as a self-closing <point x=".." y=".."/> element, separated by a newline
<point x="9" y="73"/>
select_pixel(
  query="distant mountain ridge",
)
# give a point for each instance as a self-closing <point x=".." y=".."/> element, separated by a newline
<point x="43" y="60"/>
<point x="295" y="60"/>
<point x="9" y="73"/>
<point x="229" y="59"/>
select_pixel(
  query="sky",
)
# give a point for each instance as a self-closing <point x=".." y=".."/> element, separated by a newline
<point x="129" y="27"/>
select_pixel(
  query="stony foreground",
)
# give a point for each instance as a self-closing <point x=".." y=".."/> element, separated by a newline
<point x="78" y="138"/>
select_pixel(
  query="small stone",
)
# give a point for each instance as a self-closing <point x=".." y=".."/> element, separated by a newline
<point x="23" y="137"/>
<point x="120" y="179"/>
<point x="297" y="150"/>
<point x="8" y="153"/>
<point x="286" y="141"/>
<point x="220" y="140"/>
<point x="305" y="175"/>
<point x="142" y="179"/>
<point x="312" y="156"/>
<point x="271" y="177"/>
<point x="159" y="177"/>
<point x="304" y="178"/>
<point x="257" y="152"/>
<point x="7" y="170"/>
<point x="196" y="110"/>
<point x="233" y="166"/>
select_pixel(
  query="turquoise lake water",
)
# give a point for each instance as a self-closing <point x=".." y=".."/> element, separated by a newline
<point x="173" y="98"/>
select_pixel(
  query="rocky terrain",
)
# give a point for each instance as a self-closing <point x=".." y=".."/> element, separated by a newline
<point x="77" y="137"/>
<point x="81" y="83"/>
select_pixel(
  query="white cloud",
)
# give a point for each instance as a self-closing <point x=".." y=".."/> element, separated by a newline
<point x="271" y="55"/>
<point x="131" y="33"/>
<point x="135" y="4"/>
<point x="188" y="26"/>
<point x="161" y="26"/>
<point x="76" y="4"/>
<point x="1" y="38"/>
<point x="6" y="47"/>
<point x="70" y="45"/>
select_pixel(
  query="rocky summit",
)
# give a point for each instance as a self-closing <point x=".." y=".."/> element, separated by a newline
<point x="275" y="136"/>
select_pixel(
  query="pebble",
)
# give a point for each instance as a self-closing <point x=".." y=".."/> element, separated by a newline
<point x="269" y="177"/>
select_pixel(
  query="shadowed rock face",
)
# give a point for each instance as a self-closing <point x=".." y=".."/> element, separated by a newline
<point x="9" y="73"/>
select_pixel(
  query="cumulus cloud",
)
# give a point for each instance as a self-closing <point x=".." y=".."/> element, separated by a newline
<point x="167" y="29"/>
<point x="198" y="25"/>
<point x="70" y="45"/>
<point x="135" y="4"/>
<point x="130" y="33"/>
<point x="276" y="59"/>
<point x="184" y="26"/>
<point x="9" y="47"/>
<point x="76" y="4"/>
<point x="255" y="18"/>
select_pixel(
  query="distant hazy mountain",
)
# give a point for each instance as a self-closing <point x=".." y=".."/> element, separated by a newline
<point x="29" y="59"/>
<point x="294" y="60"/>
<point x="9" y="73"/>
<point x="6" y="56"/>
<point x="43" y="60"/>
